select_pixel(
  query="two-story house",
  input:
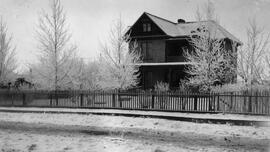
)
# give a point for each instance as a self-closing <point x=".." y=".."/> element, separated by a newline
<point x="162" y="42"/>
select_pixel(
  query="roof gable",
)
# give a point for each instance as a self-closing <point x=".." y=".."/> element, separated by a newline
<point x="137" y="28"/>
<point x="165" y="25"/>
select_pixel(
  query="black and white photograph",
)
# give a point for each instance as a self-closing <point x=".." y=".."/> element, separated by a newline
<point x="134" y="75"/>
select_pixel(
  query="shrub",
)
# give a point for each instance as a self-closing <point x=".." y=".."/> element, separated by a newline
<point x="229" y="88"/>
<point x="161" y="86"/>
<point x="239" y="87"/>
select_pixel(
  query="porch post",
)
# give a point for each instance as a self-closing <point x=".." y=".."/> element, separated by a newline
<point x="143" y="78"/>
<point x="170" y="77"/>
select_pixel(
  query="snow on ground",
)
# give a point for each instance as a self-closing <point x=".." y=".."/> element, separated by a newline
<point x="192" y="136"/>
<point x="11" y="141"/>
<point x="178" y="114"/>
<point x="142" y="123"/>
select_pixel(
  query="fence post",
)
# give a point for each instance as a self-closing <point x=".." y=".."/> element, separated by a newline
<point x="56" y="97"/>
<point x="119" y="99"/>
<point x="213" y="98"/>
<point x="184" y="101"/>
<point x="249" y="104"/>
<point x="210" y="102"/>
<point x="153" y="101"/>
<point x="51" y="98"/>
<point x="24" y="100"/>
<point x="267" y="104"/>
<point x="231" y="108"/>
<point x="12" y="101"/>
<point x="256" y="102"/>
<point x="81" y="102"/>
<point x="218" y="101"/>
<point x="195" y="101"/>
<point x="244" y="105"/>
<point x="113" y="100"/>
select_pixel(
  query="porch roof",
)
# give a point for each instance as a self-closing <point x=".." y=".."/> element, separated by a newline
<point x="163" y="64"/>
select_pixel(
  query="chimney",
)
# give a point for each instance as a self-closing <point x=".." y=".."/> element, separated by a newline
<point x="181" y="21"/>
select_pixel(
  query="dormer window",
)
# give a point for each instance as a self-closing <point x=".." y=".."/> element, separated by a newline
<point x="146" y="27"/>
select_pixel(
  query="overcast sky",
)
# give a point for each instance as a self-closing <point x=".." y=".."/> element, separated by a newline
<point x="90" y="20"/>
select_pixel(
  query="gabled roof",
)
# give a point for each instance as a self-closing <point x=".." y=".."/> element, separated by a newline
<point x="190" y="28"/>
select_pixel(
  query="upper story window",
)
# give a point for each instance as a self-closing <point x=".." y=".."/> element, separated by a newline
<point x="146" y="50"/>
<point x="146" y="27"/>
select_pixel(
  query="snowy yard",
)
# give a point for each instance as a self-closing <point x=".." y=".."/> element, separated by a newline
<point x="74" y="132"/>
<point x="139" y="112"/>
<point x="25" y="141"/>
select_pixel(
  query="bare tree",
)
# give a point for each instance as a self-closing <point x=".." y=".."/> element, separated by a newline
<point x="206" y="12"/>
<point x="118" y="60"/>
<point x="210" y="62"/>
<point x="251" y="57"/>
<point x="7" y="55"/>
<point x="56" y="53"/>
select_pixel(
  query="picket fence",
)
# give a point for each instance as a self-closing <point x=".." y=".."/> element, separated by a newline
<point x="256" y="103"/>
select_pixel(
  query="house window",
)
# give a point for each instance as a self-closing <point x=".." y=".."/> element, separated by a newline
<point x="146" y="27"/>
<point x="146" y="50"/>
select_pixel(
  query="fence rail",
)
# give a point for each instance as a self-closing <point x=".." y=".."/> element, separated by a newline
<point x="237" y="102"/>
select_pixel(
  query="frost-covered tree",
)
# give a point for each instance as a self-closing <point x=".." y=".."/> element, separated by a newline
<point x="210" y="63"/>
<point x="251" y="57"/>
<point x="75" y="75"/>
<point x="90" y="78"/>
<point x="84" y="75"/>
<point x="56" y="53"/>
<point x="118" y="60"/>
<point x="7" y="55"/>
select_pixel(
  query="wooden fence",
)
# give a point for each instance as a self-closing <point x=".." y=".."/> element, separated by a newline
<point x="237" y="102"/>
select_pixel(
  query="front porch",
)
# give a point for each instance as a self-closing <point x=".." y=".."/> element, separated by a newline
<point x="170" y="73"/>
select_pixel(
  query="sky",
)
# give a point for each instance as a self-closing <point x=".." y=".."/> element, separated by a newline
<point x="89" y="21"/>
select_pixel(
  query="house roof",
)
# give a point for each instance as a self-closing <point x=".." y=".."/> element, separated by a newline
<point x="190" y="28"/>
